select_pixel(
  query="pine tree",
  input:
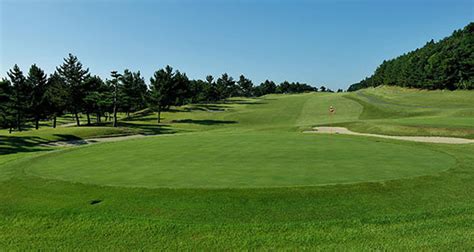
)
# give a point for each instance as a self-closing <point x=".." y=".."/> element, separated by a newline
<point x="225" y="86"/>
<point x="37" y="79"/>
<point x="21" y="95"/>
<point x="7" y="113"/>
<point x="245" y="86"/>
<point x="56" y="96"/>
<point x="161" y="90"/>
<point x="133" y="90"/>
<point x="180" y="90"/>
<point x="73" y="74"/>
<point x="92" y="86"/>
<point x="267" y="87"/>
<point x="212" y="94"/>
<point x="115" y="85"/>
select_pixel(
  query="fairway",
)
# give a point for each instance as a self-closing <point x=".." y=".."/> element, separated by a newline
<point x="242" y="174"/>
<point x="243" y="160"/>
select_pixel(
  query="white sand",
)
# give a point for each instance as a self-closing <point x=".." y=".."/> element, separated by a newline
<point x="425" y="139"/>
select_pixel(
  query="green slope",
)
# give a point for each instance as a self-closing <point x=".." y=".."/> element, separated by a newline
<point x="398" y="111"/>
<point x="424" y="201"/>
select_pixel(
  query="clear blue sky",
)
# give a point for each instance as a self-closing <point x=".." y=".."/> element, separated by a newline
<point x="334" y="43"/>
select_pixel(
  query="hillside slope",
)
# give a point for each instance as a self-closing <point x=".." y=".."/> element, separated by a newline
<point x="446" y="64"/>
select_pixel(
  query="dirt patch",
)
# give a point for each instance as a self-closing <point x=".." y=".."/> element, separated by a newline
<point x="424" y="139"/>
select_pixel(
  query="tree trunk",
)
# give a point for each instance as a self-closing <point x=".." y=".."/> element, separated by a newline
<point x="115" y="116"/>
<point x="88" y="119"/>
<point x="159" y="115"/>
<point x="10" y="130"/>
<point x="18" y="121"/>
<point x="98" y="117"/>
<point x="54" y="122"/>
<point x="77" y="119"/>
<point x="36" y="123"/>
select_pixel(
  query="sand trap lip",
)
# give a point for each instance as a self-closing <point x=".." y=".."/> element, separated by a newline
<point x="73" y="143"/>
<point x="424" y="139"/>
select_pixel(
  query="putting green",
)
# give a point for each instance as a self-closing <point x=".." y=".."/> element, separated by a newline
<point x="240" y="160"/>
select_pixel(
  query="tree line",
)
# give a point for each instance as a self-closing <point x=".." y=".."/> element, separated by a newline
<point x="446" y="64"/>
<point x="36" y="97"/>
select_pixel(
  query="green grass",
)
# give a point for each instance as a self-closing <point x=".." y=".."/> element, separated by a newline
<point x="247" y="160"/>
<point x="398" y="111"/>
<point x="241" y="175"/>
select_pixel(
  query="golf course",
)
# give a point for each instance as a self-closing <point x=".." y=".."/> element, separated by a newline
<point x="280" y="125"/>
<point x="248" y="173"/>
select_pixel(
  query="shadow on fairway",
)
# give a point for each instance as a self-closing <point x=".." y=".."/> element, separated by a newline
<point x="246" y="102"/>
<point x="204" y="122"/>
<point x="149" y="129"/>
<point x="16" y="144"/>
<point x="206" y="107"/>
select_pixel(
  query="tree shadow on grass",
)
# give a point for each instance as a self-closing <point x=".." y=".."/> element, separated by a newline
<point x="204" y="122"/>
<point x="246" y="102"/>
<point x="202" y="107"/>
<point x="138" y="119"/>
<point x="16" y="144"/>
<point x="67" y="137"/>
<point x="149" y="129"/>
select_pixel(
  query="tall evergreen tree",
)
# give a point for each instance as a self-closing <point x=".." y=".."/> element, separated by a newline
<point x="133" y="90"/>
<point x="198" y="91"/>
<point x="284" y="88"/>
<point x="212" y="94"/>
<point x="161" y="90"/>
<point x="56" y="96"/>
<point x="74" y="75"/>
<point x="225" y="86"/>
<point x="7" y="113"/>
<point x="115" y="85"/>
<point x="38" y="80"/>
<point x="245" y="86"/>
<point x="93" y="85"/>
<point x="267" y="87"/>
<point x="21" y="95"/>
<point x="180" y="89"/>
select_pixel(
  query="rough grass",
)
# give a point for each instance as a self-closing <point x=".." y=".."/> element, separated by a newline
<point x="427" y="212"/>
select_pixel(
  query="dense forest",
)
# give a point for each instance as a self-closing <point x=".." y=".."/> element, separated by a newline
<point x="446" y="64"/>
<point x="35" y="97"/>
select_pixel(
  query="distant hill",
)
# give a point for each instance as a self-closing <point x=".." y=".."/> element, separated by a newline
<point x="446" y="64"/>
